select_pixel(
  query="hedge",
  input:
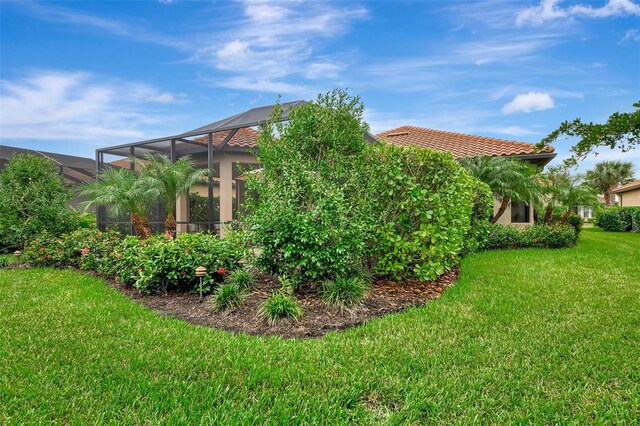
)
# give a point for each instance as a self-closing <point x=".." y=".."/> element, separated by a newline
<point x="617" y="219"/>
<point x="540" y="236"/>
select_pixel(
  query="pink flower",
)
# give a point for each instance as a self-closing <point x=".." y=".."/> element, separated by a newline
<point x="85" y="251"/>
<point x="186" y="252"/>
<point x="168" y="236"/>
<point x="41" y="248"/>
<point x="139" y="270"/>
<point x="222" y="271"/>
<point x="535" y="240"/>
<point x="48" y="256"/>
<point x="118" y="255"/>
<point x="181" y="272"/>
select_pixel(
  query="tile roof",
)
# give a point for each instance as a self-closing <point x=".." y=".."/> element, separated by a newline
<point x="244" y="138"/>
<point x="460" y="145"/>
<point x="628" y="187"/>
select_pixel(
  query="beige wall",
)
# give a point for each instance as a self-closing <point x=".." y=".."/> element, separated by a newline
<point x="505" y="219"/>
<point x="629" y="198"/>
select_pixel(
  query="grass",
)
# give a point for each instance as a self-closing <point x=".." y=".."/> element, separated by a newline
<point x="535" y="336"/>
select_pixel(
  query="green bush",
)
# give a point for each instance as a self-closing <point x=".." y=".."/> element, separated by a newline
<point x="541" y="236"/>
<point x="577" y="222"/>
<point x="344" y="292"/>
<point x="328" y="204"/>
<point x="5" y="260"/>
<point x="310" y="217"/>
<point x="88" y="249"/>
<point x="228" y="296"/>
<point x="617" y="219"/>
<point x="279" y="306"/>
<point x="32" y="199"/>
<point x="424" y="202"/>
<point x="161" y="263"/>
<point x="242" y="278"/>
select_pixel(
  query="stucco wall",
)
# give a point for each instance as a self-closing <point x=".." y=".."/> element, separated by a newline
<point x="505" y="219"/>
<point x="630" y="198"/>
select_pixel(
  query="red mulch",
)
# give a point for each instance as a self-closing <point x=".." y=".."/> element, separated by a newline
<point x="318" y="317"/>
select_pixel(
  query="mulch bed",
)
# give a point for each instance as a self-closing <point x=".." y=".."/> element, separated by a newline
<point x="318" y="318"/>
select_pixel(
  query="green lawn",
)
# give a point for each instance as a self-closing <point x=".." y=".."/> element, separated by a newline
<point x="535" y="336"/>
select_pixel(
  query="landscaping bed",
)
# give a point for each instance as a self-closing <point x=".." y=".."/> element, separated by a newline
<point x="319" y="318"/>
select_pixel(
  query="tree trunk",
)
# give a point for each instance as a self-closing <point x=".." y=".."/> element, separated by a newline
<point x="141" y="226"/>
<point x="565" y="216"/>
<point x="170" y="224"/>
<point x="503" y="206"/>
<point x="548" y="213"/>
<point x="608" y="197"/>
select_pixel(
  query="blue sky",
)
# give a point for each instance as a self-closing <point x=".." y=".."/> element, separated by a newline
<point x="80" y="75"/>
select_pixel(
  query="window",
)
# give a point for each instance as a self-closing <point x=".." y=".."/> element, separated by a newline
<point x="519" y="212"/>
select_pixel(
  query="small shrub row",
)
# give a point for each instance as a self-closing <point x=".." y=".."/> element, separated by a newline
<point x="557" y="217"/>
<point x="162" y="263"/>
<point x="344" y="292"/>
<point x="540" y="236"/>
<point x="88" y="249"/>
<point x="617" y="219"/>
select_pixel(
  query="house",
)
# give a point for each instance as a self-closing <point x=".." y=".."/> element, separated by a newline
<point x="228" y="148"/>
<point x="628" y="194"/>
<point x="73" y="170"/>
<point x="464" y="146"/>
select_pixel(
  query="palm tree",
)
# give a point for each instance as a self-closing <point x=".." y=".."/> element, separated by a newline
<point x="550" y="182"/>
<point x="167" y="181"/>
<point x="123" y="192"/>
<point x="572" y="192"/>
<point x="607" y="175"/>
<point x="509" y="179"/>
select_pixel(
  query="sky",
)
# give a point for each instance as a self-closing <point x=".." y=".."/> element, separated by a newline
<point x="80" y="75"/>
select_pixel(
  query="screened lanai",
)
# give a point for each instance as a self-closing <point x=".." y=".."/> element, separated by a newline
<point x="227" y="147"/>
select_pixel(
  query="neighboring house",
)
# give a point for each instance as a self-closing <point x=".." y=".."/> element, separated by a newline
<point x="74" y="170"/>
<point x="227" y="146"/>
<point x="463" y="146"/>
<point x="628" y="194"/>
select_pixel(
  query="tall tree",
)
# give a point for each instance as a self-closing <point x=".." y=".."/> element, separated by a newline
<point x="607" y="175"/>
<point x="509" y="179"/>
<point x="622" y="130"/>
<point x="122" y="192"/>
<point x="167" y="181"/>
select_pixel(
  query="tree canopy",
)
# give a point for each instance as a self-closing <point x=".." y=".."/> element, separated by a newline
<point x="622" y="131"/>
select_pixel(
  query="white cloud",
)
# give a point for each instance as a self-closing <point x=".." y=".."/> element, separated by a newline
<point x="277" y="44"/>
<point x="549" y="10"/>
<point x="631" y="35"/>
<point x="528" y="102"/>
<point x="75" y="106"/>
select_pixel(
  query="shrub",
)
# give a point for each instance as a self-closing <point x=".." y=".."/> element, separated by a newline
<point x="576" y="221"/>
<point x="423" y="201"/>
<point x="88" y="249"/>
<point x="328" y="204"/>
<point x="32" y="199"/>
<point x="344" y="292"/>
<point x="4" y="260"/>
<point x="242" y="278"/>
<point x="541" y="236"/>
<point x="279" y="306"/>
<point x="161" y="263"/>
<point x="617" y="219"/>
<point x="228" y="296"/>
<point x="309" y="216"/>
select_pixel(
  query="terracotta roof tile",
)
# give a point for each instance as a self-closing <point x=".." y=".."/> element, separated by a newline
<point x="244" y="138"/>
<point x="628" y="186"/>
<point x="460" y="145"/>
